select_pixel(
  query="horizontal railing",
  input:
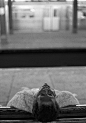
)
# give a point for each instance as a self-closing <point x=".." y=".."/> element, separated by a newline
<point x="75" y="114"/>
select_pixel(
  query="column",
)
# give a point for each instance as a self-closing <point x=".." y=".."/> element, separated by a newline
<point x="3" y="22"/>
<point x="75" y="16"/>
<point x="10" y="16"/>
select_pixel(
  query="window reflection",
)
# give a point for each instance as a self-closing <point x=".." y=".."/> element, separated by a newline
<point x="54" y="17"/>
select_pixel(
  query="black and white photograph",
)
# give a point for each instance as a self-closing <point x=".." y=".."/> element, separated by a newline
<point x="42" y="61"/>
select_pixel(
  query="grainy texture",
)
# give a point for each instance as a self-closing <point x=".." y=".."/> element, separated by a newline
<point x="83" y="120"/>
<point x="65" y="98"/>
<point x="71" y="79"/>
<point x="25" y="98"/>
<point x="59" y="39"/>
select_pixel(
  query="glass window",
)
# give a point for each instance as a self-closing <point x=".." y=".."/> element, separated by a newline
<point x="32" y="27"/>
<point x="35" y="26"/>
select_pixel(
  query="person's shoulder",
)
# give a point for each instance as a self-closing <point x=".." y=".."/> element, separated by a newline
<point x="29" y="91"/>
<point x="35" y="90"/>
<point x="56" y="92"/>
<point x="65" y="98"/>
<point x="67" y="93"/>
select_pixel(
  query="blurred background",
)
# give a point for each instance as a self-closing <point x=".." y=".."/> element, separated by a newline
<point x="27" y="24"/>
<point x="41" y="24"/>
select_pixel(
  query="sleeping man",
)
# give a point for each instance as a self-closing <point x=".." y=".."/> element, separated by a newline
<point x="44" y="103"/>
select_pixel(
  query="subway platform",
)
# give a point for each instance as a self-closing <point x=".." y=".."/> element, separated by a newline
<point x="36" y="40"/>
<point x="70" y="79"/>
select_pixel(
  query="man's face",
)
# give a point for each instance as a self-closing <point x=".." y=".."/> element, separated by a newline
<point x="45" y="106"/>
<point x="45" y="90"/>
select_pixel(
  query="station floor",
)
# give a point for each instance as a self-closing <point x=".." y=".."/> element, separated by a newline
<point x="70" y="79"/>
<point x="57" y="39"/>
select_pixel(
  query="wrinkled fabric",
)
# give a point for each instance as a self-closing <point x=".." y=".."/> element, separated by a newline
<point x="66" y="98"/>
<point x="25" y="98"/>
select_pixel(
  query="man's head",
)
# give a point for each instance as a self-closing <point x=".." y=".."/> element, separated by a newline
<point x="45" y="107"/>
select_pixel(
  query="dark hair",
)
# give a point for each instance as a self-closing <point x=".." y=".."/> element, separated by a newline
<point x="45" y="107"/>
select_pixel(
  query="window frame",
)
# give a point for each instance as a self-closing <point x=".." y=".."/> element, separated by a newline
<point x="42" y="58"/>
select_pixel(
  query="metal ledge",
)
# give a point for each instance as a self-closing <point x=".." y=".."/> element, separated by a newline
<point x="74" y="113"/>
